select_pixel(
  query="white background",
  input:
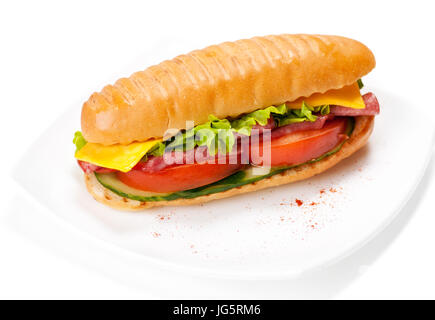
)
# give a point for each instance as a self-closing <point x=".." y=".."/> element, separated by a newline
<point x="55" y="54"/>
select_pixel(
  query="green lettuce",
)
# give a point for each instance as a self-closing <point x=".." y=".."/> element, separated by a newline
<point x="301" y="115"/>
<point x="79" y="140"/>
<point x="157" y="150"/>
<point x="244" y="124"/>
<point x="216" y="133"/>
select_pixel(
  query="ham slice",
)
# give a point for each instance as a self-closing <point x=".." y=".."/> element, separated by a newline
<point x="200" y="154"/>
<point x="89" y="168"/>
<point x="371" y="109"/>
<point x="301" y="126"/>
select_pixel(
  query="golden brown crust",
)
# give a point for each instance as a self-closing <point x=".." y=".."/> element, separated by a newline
<point x="225" y="80"/>
<point x="360" y="135"/>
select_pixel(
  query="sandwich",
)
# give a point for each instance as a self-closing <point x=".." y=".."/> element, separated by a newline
<point x="226" y="120"/>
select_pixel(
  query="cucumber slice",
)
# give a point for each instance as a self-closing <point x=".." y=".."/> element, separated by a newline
<point x="111" y="182"/>
<point x="238" y="179"/>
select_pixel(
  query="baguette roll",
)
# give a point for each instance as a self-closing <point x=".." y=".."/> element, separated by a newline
<point x="225" y="80"/>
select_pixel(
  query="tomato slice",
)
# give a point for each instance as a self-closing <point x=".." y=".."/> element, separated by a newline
<point x="303" y="146"/>
<point x="177" y="178"/>
<point x="292" y="149"/>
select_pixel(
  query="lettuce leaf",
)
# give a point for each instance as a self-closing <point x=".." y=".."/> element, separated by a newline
<point x="303" y="114"/>
<point x="79" y="140"/>
<point x="216" y="133"/>
<point x="157" y="150"/>
<point x="244" y="124"/>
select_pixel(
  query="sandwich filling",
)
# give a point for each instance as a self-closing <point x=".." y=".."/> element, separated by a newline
<point x="227" y="153"/>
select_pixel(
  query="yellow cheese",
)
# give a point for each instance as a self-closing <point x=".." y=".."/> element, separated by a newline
<point x="349" y="96"/>
<point x="118" y="157"/>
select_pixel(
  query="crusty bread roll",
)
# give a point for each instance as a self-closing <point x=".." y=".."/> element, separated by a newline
<point x="363" y="129"/>
<point x="225" y="80"/>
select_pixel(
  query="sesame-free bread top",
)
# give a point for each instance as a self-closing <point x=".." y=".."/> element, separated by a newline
<point x="225" y="80"/>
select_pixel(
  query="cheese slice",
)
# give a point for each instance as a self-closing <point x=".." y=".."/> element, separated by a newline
<point x="348" y="96"/>
<point x="118" y="157"/>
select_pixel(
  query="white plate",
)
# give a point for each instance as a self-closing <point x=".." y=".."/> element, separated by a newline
<point x="265" y="234"/>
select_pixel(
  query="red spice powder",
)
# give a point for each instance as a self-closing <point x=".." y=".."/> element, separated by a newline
<point x="163" y="217"/>
<point x="299" y="202"/>
<point x="322" y="191"/>
<point x="332" y="190"/>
